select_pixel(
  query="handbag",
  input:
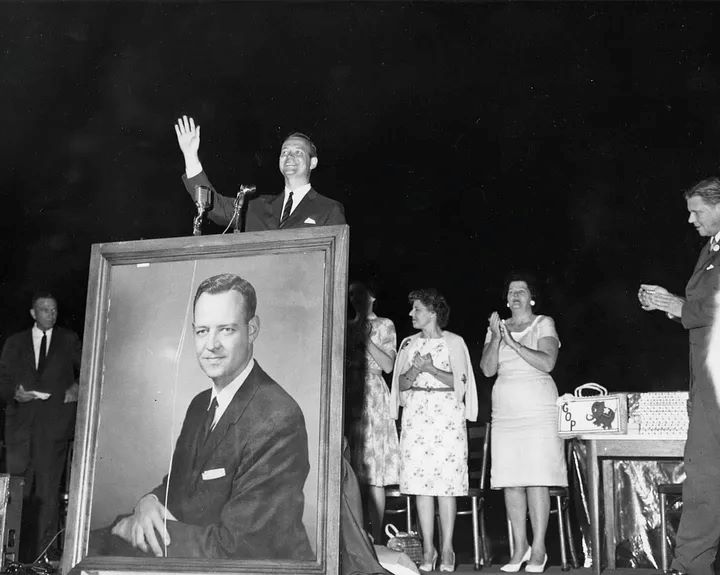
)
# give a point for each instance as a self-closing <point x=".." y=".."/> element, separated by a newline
<point x="405" y="542"/>
<point x="580" y="414"/>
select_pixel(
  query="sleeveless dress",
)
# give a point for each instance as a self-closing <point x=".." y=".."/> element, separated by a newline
<point x="375" y="453"/>
<point x="526" y="448"/>
<point x="433" y="438"/>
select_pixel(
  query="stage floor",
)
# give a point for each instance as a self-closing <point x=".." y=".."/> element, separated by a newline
<point x="555" y="570"/>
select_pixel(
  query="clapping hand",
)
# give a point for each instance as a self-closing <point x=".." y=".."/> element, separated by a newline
<point x="506" y="337"/>
<point x="188" y="136"/>
<point x="422" y="362"/>
<point x="646" y="295"/>
<point x="657" y="297"/>
<point x="494" y="323"/>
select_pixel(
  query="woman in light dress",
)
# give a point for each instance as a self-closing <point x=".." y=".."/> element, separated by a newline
<point x="434" y="382"/>
<point x="375" y="451"/>
<point x="527" y="453"/>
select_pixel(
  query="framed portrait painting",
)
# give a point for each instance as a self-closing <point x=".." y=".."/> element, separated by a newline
<point x="209" y="429"/>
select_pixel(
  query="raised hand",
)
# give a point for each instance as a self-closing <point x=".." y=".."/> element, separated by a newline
<point x="188" y="136"/>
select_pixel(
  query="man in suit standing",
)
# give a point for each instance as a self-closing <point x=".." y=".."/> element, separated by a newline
<point x="300" y="206"/>
<point x="38" y="382"/>
<point x="699" y="531"/>
<point x="235" y="487"/>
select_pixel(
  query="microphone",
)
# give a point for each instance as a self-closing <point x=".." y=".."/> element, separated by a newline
<point x="238" y="205"/>
<point x="203" y="201"/>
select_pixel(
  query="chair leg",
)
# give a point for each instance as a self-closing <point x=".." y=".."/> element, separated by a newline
<point x="483" y="537"/>
<point x="408" y="512"/>
<point x="570" y="537"/>
<point x="561" y="530"/>
<point x="476" y="535"/>
<point x="663" y="534"/>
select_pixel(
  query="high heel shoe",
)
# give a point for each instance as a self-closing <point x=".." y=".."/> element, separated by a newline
<point x="536" y="568"/>
<point x="449" y="567"/>
<point x="431" y="565"/>
<point x="515" y="567"/>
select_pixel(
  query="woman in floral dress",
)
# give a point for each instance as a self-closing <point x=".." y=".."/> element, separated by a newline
<point x="374" y="441"/>
<point x="433" y="380"/>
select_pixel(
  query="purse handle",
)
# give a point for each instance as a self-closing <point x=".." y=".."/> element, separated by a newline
<point x="389" y="533"/>
<point x="590" y="386"/>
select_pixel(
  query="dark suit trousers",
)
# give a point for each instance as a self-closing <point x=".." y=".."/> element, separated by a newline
<point x="38" y="453"/>
<point x="699" y="531"/>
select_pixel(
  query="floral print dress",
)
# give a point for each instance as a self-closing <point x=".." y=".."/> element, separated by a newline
<point x="375" y="455"/>
<point x="433" y="439"/>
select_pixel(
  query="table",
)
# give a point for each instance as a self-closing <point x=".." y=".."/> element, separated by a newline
<point x="607" y="448"/>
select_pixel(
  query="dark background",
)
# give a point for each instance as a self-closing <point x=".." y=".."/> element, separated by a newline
<point x="464" y="139"/>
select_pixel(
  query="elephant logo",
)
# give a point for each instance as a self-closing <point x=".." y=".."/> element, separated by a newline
<point x="601" y="415"/>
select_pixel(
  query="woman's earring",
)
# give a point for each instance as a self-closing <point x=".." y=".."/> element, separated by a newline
<point x="532" y="302"/>
<point x="507" y="305"/>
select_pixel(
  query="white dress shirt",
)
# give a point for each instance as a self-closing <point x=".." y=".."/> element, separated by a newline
<point x="298" y="195"/>
<point x="37" y="334"/>
<point x="226" y="394"/>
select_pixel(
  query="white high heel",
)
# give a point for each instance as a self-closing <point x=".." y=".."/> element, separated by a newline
<point x="536" y="568"/>
<point x="515" y="567"/>
<point x="431" y="565"/>
<point x="448" y="567"/>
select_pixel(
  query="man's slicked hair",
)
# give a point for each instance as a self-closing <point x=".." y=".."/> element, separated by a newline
<point x="42" y="294"/>
<point x="229" y="282"/>
<point x="306" y="138"/>
<point x="707" y="189"/>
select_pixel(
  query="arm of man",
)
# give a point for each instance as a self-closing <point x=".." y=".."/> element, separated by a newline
<point x="11" y="385"/>
<point x="336" y="215"/>
<point x="262" y="517"/>
<point x="698" y="311"/>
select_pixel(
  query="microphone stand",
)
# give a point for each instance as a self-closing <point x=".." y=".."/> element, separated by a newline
<point x="238" y="206"/>
<point x="203" y="201"/>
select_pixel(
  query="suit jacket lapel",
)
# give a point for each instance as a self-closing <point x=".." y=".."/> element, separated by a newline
<point x="29" y="351"/>
<point x="277" y="205"/>
<point x="303" y="209"/>
<point x="705" y="255"/>
<point x="233" y="413"/>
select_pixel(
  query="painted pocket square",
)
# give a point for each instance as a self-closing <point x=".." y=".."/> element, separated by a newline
<point x="309" y="221"/>
<point x="213" y="474"/>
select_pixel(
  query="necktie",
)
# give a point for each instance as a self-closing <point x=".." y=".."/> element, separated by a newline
<point x="287" y="209"/>
<point x="43" y="353"/>
<point x="714" y="244"/>
<point x="210" y="416"/>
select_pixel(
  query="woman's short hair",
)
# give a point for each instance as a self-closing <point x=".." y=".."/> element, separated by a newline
<point x="434" y="301"/>
<point x="526" y="277"/>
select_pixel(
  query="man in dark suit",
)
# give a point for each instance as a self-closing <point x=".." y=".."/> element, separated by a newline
<point x="699" y="531"/>
<point x="235" y="487"/>
<point x="38" y="382"/>
<point x="300" y="206"/>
